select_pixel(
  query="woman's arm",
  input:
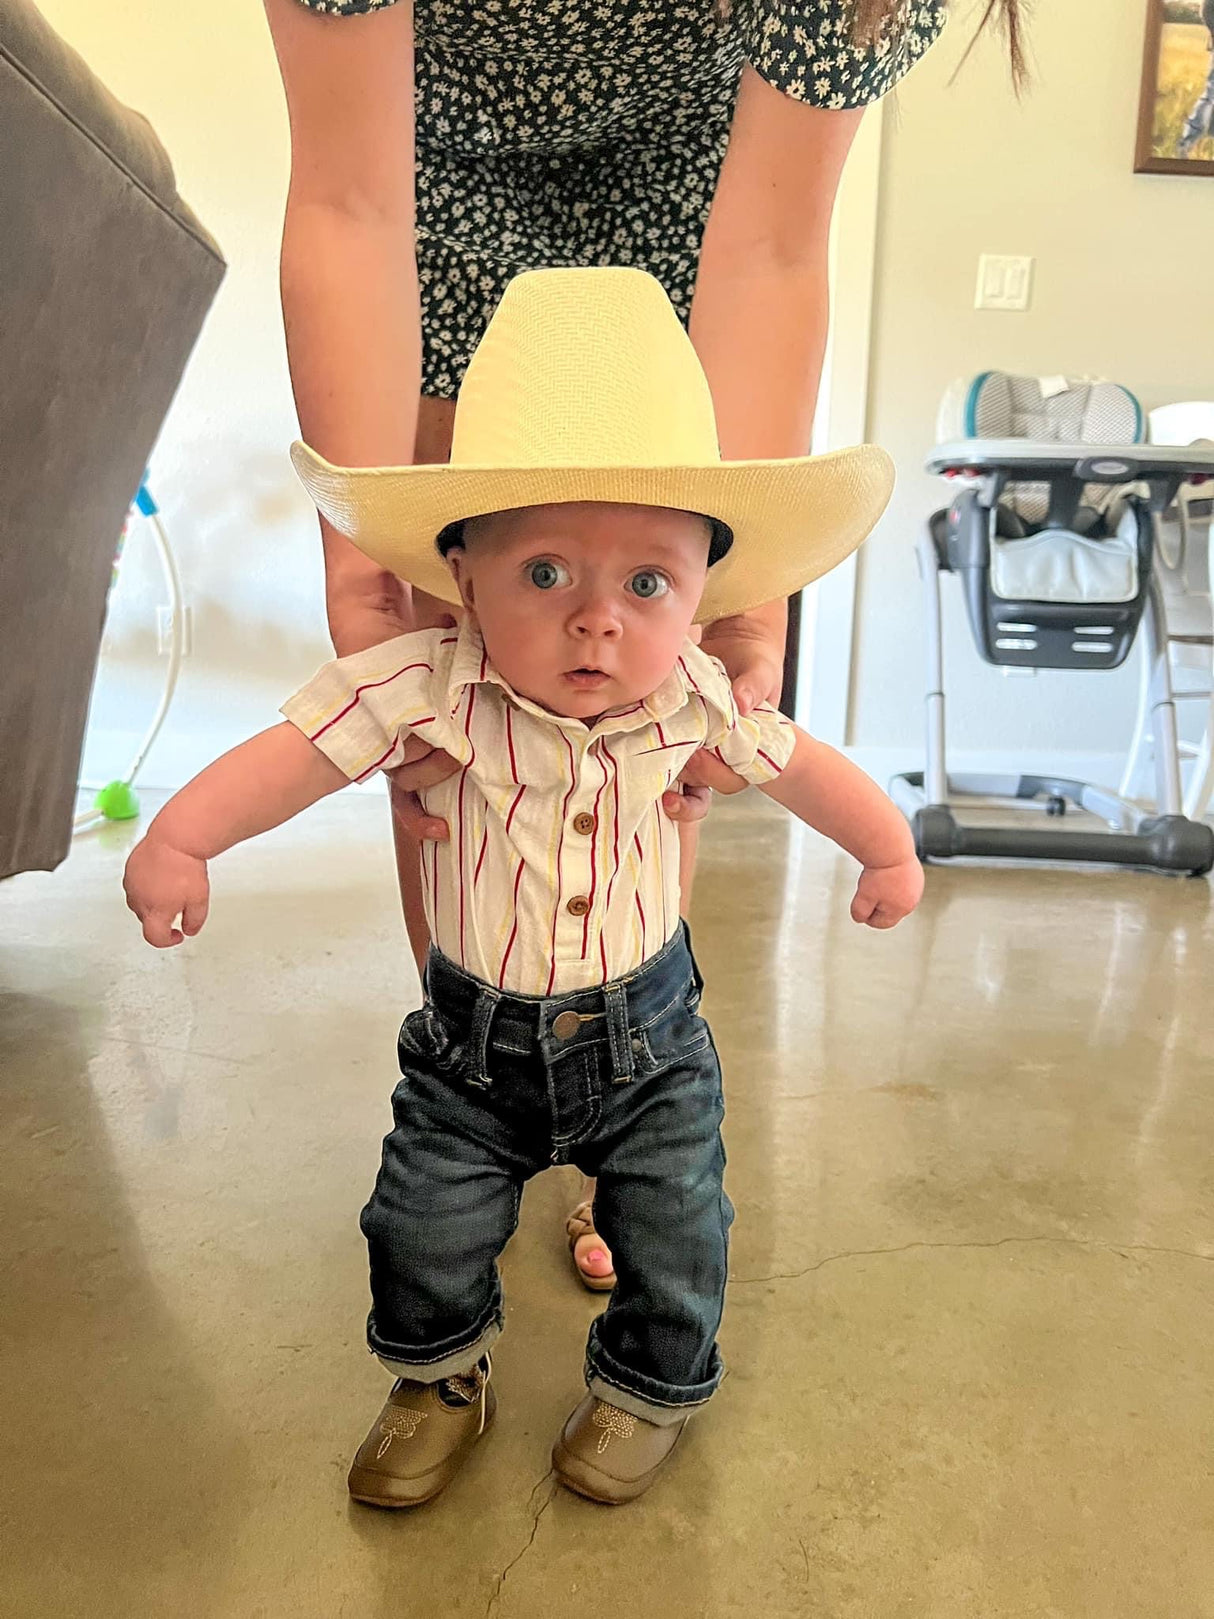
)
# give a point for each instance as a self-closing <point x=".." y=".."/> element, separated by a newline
<point x="258" y="785"/>
<point x="349" y="271"/>
<point x="760" y="313"/>
<point x="836" y="798"/>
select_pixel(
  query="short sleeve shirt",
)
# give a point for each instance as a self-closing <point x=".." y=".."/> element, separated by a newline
<point x="561" y="871"/>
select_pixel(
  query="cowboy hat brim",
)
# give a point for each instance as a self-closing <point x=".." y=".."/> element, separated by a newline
<point x="792" y="521"/>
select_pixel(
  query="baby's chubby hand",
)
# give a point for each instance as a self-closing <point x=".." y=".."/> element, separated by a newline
<point x="885" y="894"/>
<point x="161" y="884"/>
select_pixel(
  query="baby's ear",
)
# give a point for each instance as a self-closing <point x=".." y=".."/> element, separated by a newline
<point x="457" y="561"/>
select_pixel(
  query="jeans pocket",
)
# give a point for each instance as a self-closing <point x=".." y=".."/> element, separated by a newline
<point x="677" y="1035"/>
<point x="427" y="1041"/>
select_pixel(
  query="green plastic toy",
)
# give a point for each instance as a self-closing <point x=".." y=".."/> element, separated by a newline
<point x="117" y="801"/>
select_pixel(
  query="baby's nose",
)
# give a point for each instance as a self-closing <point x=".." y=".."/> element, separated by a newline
<point x="596" y="615"/>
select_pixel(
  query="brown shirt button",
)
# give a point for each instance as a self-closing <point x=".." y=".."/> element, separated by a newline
<point x="578" y="906"/>
<point x="583" y="824"/>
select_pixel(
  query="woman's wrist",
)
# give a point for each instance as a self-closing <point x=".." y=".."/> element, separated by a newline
<point x="360" y="619"/>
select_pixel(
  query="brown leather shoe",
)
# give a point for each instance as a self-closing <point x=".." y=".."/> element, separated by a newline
<point x="608" y="1454"/>
<point x="422" y="1438"/>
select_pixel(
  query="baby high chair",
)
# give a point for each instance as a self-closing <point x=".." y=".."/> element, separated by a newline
<point x="1053" y="537"/>
<point x="1182" y="567"/>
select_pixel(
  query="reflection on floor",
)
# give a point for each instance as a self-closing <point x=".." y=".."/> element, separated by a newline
<point x="971" y="1322"/>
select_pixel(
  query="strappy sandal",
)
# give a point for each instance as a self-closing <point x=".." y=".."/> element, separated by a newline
<point x="581" y="1224"/>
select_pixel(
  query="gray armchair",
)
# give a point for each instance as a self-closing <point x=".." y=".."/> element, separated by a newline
<point x="105" y="279"/>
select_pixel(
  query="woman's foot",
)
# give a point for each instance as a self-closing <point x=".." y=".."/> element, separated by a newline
<point x="591" y="1255"/>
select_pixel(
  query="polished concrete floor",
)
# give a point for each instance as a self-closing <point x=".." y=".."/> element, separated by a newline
<point x="971" y="1320"/>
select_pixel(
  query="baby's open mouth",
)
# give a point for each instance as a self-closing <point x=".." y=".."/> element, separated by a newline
<point x="586" y="676"/>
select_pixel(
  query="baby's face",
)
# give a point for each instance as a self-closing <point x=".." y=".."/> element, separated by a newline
<point x="583" y="607"/>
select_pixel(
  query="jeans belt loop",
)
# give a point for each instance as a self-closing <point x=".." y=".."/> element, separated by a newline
<point x="623" y="1066"/>
<point x="478" y="1036"/>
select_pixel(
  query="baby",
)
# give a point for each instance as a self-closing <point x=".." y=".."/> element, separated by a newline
<point x="560" y="1022"/>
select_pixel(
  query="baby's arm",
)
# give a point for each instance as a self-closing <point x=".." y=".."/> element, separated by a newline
<point x="256" y="786"/>
<point x="834" y="796"/>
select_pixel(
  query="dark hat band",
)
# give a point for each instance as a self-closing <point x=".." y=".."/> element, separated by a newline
<point x="718" y="546"/>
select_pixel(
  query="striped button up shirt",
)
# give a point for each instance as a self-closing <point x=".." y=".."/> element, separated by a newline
<point x="562" y="869"/>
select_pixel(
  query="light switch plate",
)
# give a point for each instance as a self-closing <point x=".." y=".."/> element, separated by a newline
<point x="1004" y="281"/>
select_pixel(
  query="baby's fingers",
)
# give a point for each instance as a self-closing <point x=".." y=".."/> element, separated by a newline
<point x="862" y="907"/>
<point x="194" y="914"/>
<point x="884" y="917"/>
<point x="158" y="928"/>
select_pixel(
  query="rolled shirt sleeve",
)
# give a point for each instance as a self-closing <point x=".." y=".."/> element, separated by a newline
<point x="359" y="710"/>
<point x="757" y="746"/>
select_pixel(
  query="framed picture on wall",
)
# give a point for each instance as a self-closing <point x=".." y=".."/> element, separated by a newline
<point x="1176" y="104"/>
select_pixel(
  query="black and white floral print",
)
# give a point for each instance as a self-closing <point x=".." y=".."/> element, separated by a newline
<point x="592" y="132"/>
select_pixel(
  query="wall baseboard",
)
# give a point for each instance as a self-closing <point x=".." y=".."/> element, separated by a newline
<point x="1101" y="769"/>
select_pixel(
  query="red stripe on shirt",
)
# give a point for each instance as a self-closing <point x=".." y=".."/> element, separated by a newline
<point x="556" y="909"/>
<point x="518" y="877"/>
<point x="689" y="678"/>
<point x="767" y="760"/>
<point x="368" y="685"/>
<point x="460" y="816"/>
<point x="657" y="811"/>
<point x="518" y="797"/>
<point x="615" y="854"/>
<point x="510" y="744"/>
<point x="636" y="838"/>
<point x="371" y="769"/>
<point x="594" y="868"/>
<point x="480" y="860"/>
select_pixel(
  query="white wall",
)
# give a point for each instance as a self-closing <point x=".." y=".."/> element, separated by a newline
<point x="236" y="515"/>
<point x="1121" y="290"/>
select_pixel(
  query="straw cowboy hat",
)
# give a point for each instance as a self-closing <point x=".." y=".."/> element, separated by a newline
<point x="585" y="386"/>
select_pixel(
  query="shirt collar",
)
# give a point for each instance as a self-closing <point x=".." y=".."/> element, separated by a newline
<point x="695" y="674"/>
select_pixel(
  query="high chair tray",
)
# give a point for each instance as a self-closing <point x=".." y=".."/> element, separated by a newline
<point x="1093" y="463"/>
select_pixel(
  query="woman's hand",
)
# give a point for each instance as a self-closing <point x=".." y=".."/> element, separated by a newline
<point x="423" y="767"/>
<point x="161" y="884"/>
<point x="751" y="646"/>
<point x="703" y="775"/>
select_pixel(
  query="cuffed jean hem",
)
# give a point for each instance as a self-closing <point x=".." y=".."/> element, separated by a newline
<point x="452" y="1365"/>
<point x="644" y="1397"/>
<point x="662" y="1416"/>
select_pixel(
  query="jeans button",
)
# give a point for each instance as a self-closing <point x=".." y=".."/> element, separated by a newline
<point x="565" y="1025"/>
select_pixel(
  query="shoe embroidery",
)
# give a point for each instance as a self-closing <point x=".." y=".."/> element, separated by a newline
<point x="402" y="1424"/>
<point x="616" y="1424"/>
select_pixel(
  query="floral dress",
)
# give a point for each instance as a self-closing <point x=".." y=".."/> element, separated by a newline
<point x="558" y="132"/>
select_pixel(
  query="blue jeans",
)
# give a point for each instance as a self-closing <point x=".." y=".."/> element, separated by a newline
<point x="622" y="1081"/>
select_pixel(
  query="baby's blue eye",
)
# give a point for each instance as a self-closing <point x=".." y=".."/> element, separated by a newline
<point x="546" y="575"/>
<point x="647" y="584"/>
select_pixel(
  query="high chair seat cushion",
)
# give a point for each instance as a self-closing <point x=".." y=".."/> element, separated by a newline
<point x="1058" y="566"/>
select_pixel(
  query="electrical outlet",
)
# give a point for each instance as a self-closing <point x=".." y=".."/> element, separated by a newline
<point x="164" y="630"/>
<point x="1004" y="281"/>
